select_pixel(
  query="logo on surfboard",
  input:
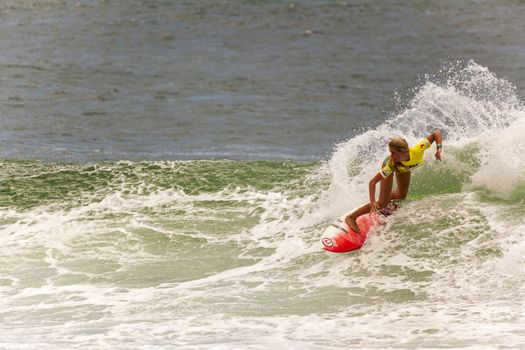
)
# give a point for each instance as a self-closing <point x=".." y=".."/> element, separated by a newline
<point x="328" y="242"/>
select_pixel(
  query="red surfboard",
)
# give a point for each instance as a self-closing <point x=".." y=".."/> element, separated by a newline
<point x="339" y="238"/>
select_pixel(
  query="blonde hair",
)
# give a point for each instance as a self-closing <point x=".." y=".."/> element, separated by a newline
<point x="398" y="143"/>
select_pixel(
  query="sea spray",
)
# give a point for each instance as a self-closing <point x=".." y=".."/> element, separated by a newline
<point x="464" y="100"/>
<point x="501" y="158"/>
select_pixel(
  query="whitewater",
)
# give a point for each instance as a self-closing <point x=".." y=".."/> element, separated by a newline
<point x="223" y="254"/>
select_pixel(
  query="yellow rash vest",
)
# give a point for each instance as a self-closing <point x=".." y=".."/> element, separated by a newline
<point x="416" y="159"/>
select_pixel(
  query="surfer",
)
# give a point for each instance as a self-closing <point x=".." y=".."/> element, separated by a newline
<point x="401" y="161"/>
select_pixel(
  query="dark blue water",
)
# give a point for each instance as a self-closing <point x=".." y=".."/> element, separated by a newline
<point x="145" y="80"/>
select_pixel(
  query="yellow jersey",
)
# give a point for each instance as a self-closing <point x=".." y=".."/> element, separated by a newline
<point x="416" y="159"/>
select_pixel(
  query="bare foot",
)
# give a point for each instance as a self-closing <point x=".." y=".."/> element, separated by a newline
<point x="350" y="221"/>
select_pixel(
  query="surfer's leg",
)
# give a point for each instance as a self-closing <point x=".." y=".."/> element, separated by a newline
<point x="384" y="198"/>
<point x="403" y="183"/>
<point x="351" y="219"/>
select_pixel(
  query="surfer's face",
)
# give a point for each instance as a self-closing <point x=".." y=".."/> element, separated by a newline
<point x="398" y="156"/>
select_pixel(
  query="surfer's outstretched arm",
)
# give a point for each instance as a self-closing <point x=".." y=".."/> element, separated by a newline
<point x="436" y="136"/>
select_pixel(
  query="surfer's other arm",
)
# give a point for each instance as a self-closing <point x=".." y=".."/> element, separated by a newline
<point x="436" y="136"/>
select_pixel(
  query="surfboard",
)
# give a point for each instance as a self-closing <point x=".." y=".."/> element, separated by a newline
<point x="339" y="238"/>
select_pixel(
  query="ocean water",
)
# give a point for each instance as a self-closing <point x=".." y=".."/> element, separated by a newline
<point x="168" y="167"/>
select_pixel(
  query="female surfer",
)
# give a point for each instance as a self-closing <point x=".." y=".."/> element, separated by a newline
<point x="401" y="161"/>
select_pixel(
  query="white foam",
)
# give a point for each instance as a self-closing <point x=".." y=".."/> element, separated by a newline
<point x="418" y="282"/>
<point x="502" y="161"/>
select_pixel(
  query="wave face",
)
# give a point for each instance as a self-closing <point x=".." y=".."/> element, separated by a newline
<point x="226" y="254"/>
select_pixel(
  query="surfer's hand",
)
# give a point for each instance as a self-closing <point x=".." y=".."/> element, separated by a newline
<point x="374" y="207"/>
<point x="438" y="154"/>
